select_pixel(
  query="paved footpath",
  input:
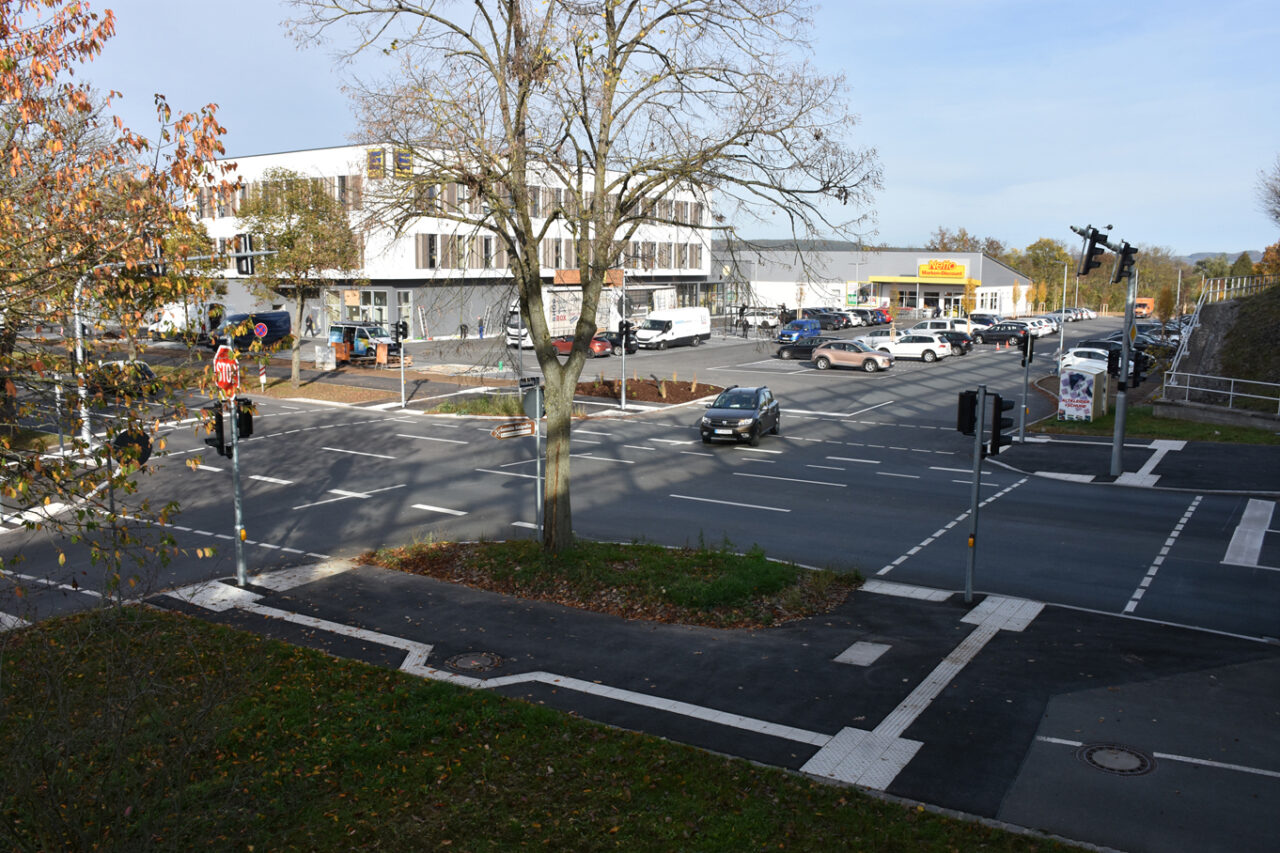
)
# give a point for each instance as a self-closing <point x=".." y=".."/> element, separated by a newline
<point x="1108" y="730"/>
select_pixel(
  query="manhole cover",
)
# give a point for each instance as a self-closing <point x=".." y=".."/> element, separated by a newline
<point x="474" y="662"/>
<point x="1113" y="758"/>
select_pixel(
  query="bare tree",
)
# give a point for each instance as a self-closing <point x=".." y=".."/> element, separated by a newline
<point x="588" y="117"/>
<point x="1269" y="192"/>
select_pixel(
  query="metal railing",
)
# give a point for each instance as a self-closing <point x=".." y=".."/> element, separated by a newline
<point x="1222" y="391"/>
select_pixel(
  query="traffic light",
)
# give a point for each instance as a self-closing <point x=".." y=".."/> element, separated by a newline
<point x="967" y="412"/>
<point x="1022" y="345"/>
<point x="244" y="243"/>
<point x="625" y="332"/>
<point x="244" y="418"/>
<point x="1093" y="248"/>
<point x="1137" y="373"/>
<point x="1124" y="263"/>
<point x="1113" y="362"/>
<point x="402" y="330"/>
<point x="1028" y="347"/>
<point x="999" y="405"/>
<point x="218" y="441"/>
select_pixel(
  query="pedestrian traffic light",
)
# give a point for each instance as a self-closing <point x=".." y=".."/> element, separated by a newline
<point x="999" y="423"/>
<point x="1113" y="362"/>
<point x="1093" y="248"/>
<point x="218" y="441"/>
<point x="1137" y="373"/>
<point x="1022" y="339"/>
<point x="402" y="330"/>
<point x="1028" y="347"/>
<point x="967" y="412"/>
<point x="1124" y="263"/>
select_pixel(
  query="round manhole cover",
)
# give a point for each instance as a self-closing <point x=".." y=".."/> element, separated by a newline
<point x="1113" y="758"/>
<point x="474" y="662"/>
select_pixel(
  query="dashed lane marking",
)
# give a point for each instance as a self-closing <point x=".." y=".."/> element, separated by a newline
<point x="948" y="526"/>
<point x="1159" y="560"/>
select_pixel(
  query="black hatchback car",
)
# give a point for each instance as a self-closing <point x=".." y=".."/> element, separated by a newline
<point x="803" y="348"/>
<point x="742" y="414"/>
<point x="615" y="340"/>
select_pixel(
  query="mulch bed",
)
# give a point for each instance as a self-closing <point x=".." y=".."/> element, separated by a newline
<point x="648" y="390"/>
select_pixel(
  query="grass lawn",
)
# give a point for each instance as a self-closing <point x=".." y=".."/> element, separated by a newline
<point x="1139" y="422"/>
<point x="329" y="392"/>
<point x="131" y="729"/>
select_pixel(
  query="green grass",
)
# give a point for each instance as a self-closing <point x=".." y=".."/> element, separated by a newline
<point x="1141" y="423"/>
<point x="1249" y="350"/>
<point x="709" y="586"/>
<point x="134" y="729"/>
<point x="508" y="405"/>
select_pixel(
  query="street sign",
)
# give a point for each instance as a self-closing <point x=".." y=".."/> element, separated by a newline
<point x="226" y="371"/>
<point x="260" y="329"/>
<point x="529" y="382"/>
<point x="513" y="429"/>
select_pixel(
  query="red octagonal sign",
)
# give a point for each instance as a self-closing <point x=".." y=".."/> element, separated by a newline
<point x="226" y="370"/>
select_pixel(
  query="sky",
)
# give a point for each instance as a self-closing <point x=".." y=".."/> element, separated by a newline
<point x="1012" y="119"/>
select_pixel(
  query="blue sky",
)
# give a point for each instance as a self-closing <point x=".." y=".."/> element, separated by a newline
<point x="1014" y="119"/>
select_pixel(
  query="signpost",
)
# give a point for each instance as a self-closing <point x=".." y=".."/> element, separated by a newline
<point x="226" y="373"/>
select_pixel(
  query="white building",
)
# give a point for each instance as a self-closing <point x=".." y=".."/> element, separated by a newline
<point x="774" y="273"/>
<point x="441" y="274"/>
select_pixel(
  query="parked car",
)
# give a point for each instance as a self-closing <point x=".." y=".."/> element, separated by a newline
<point x="761" y="317"/>
<point x="869" y="316"/>
<point x="876" y="337"/>
<point x="1039" y="326"/>
<point x="961" y="342"/>
<point x="798" y="329"/>
<point x="599" y="345"/>
<point x="882" y="314"/>
<point x="615" y="341"/>
<point x="926" y="347"/>
<point x="1143" y="358"/>
<point x="834" y="322"/>
<point x="1002" y="332"/>
<point x="985" y="319"/>
<point x="851" y="354"/>
<point x="1083" y="355"/>
<point x="803" y="348"/>
<point x="741" y="414"/>
<point x="240" y="330"/>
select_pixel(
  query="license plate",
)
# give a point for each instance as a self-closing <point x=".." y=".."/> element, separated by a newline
<point x="724" y="432"/>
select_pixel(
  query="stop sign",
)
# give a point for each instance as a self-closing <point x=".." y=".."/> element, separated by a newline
<point x="226" y="370"/>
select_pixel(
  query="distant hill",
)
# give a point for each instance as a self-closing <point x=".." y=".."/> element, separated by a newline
<point x="1255" y="255"/>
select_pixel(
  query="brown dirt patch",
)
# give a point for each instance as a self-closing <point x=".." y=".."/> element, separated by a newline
<point x="648" y="390"/>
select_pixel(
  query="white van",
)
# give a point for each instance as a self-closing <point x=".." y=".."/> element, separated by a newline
<point x="673" y="327"/>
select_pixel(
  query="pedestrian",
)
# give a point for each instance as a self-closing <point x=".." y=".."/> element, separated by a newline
<point x="311" y="326"/>
<point x="745" y="326"/>
<point x="480" y="327"/>
<point x="462" y="330"/>
<point x="937" y="312"/>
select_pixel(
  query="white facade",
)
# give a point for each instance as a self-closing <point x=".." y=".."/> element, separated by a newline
<point x="441" y="272"/>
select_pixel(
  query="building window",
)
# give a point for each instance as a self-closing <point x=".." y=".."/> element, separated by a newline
<point x="664" y="256"/>
<point x="682" y="255"/>
<point x="427" y="251"/>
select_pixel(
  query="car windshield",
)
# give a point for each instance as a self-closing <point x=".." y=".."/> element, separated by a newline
<point x="736" y="399"/>
<point x="656" y="325"/>
<point x="860" y="346"/>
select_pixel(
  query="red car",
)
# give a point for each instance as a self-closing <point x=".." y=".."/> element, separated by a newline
<point x="884" y="315"/>
<point x="599" y="346"/>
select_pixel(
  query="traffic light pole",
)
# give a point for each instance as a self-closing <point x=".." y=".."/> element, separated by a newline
<point x="980" y="416"/>
<point x="241" y="578"/>
<point x="1026" y="389"/>
<point x="1117" y="439"/>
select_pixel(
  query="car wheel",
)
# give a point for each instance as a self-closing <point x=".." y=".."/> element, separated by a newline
<point x="777" y="426"/>
<point x="928" y="356"/>
<point x="785" y="354"/>
<point x="706" y="439"/>
<point x="697" y="341"/>
<point x="870" y="365"/>
<point x="885" y="350"/>
<point x="754" y="439"/>
<point x="979" y="339"/>
<point x="617" y="350"/>
<point x="662" y="344"/>
<point x="822" y="363"/>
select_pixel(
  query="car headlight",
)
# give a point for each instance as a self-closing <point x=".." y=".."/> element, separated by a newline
<point x="745" y="421"/>
<point x="706" y="421"/>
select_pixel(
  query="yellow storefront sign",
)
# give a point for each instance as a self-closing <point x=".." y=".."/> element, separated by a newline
<point x="939" y="268"/>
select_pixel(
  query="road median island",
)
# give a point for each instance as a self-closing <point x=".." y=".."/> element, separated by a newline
<point x="696" y="586"/>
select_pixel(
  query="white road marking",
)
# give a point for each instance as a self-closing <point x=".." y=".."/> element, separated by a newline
<point x="869" y="408"/>
<point x="358" y="453"/>
<point x="1159" y="560"/>
<point x="729" y="503"/>
<point x="951" y="470"/>
<point x="950" y="524"/>
<point x="343" y="494"/>
<point x="1246" y="542"/>
<point x="601" y="458"/>
<point x="1168" y="756"/>
<point x="274" y="480"/>
<point x="528" y="525"/>
<point x="851" y="459"/>
<point x="591" y="432"/>
<point x="891" y="474"/>
<point x="430" y="508"/>
<point x="638" y="447"/>
<point x="430" y="438"/>
<point x="788" y="479"/>
<point x="203" y="467"/>
<point x="508" y="473"/>
<point x="826" y="467"/>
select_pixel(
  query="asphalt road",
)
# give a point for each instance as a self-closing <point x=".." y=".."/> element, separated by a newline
<point x="1102" y="614"/>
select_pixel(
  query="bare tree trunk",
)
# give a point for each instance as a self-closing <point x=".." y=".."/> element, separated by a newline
<point x="295" y="375"/>
<point x="557" y="516"/>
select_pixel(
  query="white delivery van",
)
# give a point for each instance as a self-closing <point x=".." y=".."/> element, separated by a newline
<point x="186" y="320"/>
<point x="673" y="327"/>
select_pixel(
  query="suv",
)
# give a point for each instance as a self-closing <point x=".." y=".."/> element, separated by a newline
<point x="742" y="414"/>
